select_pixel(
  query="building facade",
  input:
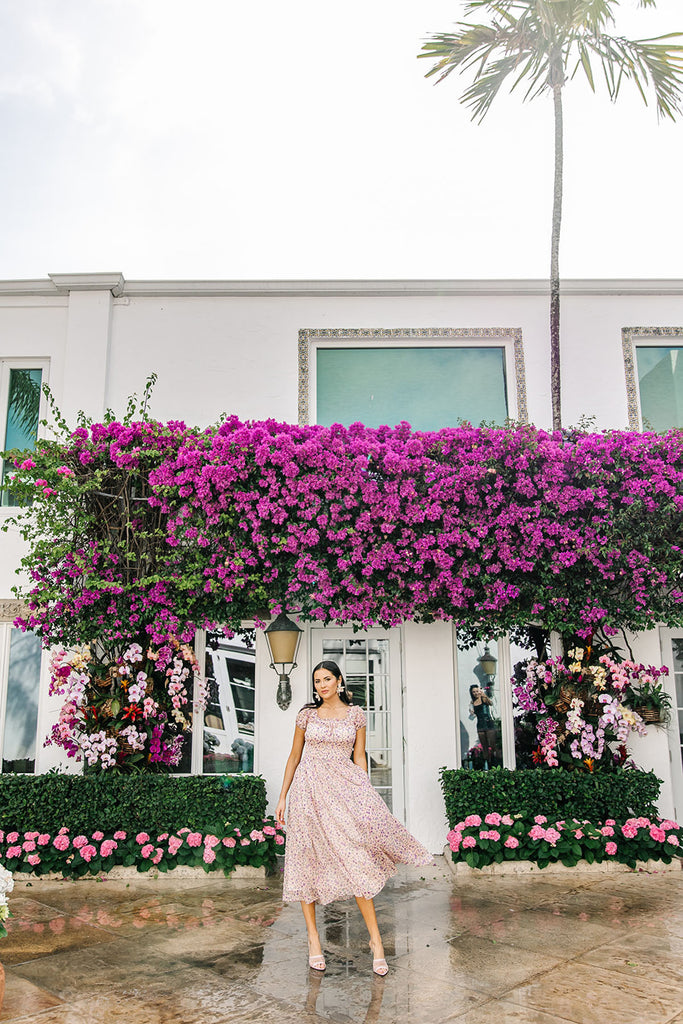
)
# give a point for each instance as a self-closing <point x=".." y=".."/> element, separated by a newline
<point x="432" y="353"/>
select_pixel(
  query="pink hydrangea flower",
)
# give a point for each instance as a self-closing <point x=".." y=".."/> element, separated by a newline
<point x="579" y="833"/>
<point x="80" y="841"/>
<point x="607" y="830"/>
<point x="552" y="835"/>
<point x="493" y="818"/>
<point x="540" y="819"/>
<point x="147" y="850"/>
<point x="61" y="842"/>
<point x="611" y="849"/>
<point x="506" y="819"/>
<point x="536" y="832"/>
<point x="28" y="846"/>
<point x="88" y="852"/>
<point x="512" y="842"/>
<point x="14" y="851"/>
<point x="256" y="835"/>
<point x="141" y="838"/>
<point x="12" y="837"/>
<point x="211" y="841"/>
<point x="174" y="844"/>
<point x="610" y="821"/>
<point x="658" y="834"/>
<point x="245" y="842"/>
<point x="209" y="855"/>
<point x="33" y="859"/>
<point x="667" y="825"/>
<point x="468" y="842"/>
<point x="268" y="830"/>
<point x="629" y="831"/>
<point x="472" y="821"/>
<point x="279" y="840"/>
<point x="158" y="855"/>
<point x="31" y="835"/>
<point x="43" y="839"/>
<point x="194" y="839"/>
<point x="98" y="836"/>
<point x="229" y="841"/>
<point x="108" y="847"/>
<point x="673" y="840"/>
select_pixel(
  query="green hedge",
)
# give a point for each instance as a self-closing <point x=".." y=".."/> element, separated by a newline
<point x="151" y="803"/>
<point x="555" y="793"/>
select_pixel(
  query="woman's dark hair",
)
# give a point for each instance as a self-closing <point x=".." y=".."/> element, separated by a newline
<point x="331" y="666"/>
<point x="474" y="686"/>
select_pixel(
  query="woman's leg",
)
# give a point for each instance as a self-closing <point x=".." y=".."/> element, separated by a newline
<point x="314" y="947"/>
<point x="367" y="909"/>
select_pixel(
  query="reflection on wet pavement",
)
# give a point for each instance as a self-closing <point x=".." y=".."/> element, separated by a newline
<point x="206" y="950"/>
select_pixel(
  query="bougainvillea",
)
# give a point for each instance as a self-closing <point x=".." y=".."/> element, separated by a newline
<point x="581" y="707"/>
<point x="157" y="528"/>
<point x="130" y="713"/>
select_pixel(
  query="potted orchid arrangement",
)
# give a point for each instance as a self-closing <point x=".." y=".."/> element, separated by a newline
<point x="581" y="708"/>
<point x="127" y="713"/>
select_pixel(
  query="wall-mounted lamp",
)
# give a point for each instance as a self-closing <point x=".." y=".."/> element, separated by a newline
<point x="284" y="637"/>
<point x="488" y="663"/>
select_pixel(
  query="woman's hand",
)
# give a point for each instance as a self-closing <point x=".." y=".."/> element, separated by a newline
<point x="280" y="812"/>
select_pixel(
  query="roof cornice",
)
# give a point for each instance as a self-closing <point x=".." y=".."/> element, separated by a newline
<point x="62" y="284"/>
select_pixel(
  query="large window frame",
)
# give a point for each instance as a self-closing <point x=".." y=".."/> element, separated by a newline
<point x="637" y="337"/>
<point x="507" y="338"/>
<point x="7" y="364"/>
<point x="8" y="610"/>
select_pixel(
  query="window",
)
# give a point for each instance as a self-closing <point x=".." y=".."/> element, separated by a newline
<point x="20" y="662"/>
<point x="432" y="378"/>
<point x="653" y="361"/>
<point x="20" y="401"/>
<point x="228" y="727"/>
<point x="488" y="734"/>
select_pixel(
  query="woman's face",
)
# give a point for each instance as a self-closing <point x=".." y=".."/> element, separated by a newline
<point x="325" y="682"/>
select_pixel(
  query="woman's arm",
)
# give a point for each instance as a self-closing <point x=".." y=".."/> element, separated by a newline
<point x="290" y="768"/>
<point x="359" y="750"/>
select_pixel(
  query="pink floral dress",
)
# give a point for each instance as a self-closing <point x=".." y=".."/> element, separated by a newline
<point x="342" y="841"/>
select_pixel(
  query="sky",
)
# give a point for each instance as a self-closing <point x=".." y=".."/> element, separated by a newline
<point x="233" y="140"/>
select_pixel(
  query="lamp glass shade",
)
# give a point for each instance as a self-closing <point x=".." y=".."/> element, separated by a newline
<point x="283" y="638"/>
<point x="488" y="663"/>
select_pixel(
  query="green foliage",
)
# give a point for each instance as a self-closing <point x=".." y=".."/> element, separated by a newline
<point x="556" y="794"/>
<point x="107" y="802"/>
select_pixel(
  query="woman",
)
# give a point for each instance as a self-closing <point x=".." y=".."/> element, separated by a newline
<point x="486" y="727"/>
<point x="341" y="839"/>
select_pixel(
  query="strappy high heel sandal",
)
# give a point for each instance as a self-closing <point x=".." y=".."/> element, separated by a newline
<point x="316" y="962"/>
<point x="379" y="964"/>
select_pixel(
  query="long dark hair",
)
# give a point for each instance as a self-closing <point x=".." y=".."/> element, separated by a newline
<point x="331" y="666"/>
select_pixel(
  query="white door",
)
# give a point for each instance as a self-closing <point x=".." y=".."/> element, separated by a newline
<point x="371" y="665"/>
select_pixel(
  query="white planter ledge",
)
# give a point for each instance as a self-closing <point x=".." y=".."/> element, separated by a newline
<point x="527" y="867"/>
<point x="120" y="873"/>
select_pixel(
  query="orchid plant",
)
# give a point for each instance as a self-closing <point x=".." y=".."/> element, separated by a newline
<point x="131" y="712"/>
<point x="580" y="707"/>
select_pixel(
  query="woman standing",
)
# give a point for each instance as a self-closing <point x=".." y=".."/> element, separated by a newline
<point x="481" y="705"/>
<point x="342" y="840"/>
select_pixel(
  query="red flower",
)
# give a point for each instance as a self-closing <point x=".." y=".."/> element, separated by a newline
<point x="132" y="712"/>
<point x="537" y="755"/>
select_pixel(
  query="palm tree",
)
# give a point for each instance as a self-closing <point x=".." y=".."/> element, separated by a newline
<point x="543" y="44"/>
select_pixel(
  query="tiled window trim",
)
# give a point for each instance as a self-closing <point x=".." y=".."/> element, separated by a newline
<point x="306" y="336"/>
<point x="629" y="337"/>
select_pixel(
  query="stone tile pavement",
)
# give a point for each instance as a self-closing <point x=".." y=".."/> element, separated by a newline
<point x="524" y="950"/>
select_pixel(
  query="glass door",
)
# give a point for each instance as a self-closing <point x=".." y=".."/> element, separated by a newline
<point x="370" y="664"/>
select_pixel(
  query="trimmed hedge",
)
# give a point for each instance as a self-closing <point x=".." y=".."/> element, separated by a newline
<point x="557" y="794"/>
<point x="153" y="803"/>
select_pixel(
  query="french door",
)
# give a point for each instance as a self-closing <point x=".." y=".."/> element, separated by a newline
<point x="672" y="655"/>
<point x="371" y="665"/>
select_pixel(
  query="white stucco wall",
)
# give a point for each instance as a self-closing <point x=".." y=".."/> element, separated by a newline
<point x="224" y="347"/>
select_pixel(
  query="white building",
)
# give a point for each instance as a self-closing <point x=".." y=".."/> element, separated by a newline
<point x="318" y="351"/>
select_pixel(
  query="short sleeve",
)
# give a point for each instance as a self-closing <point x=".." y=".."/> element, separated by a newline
<point x="359" y="717"/>
<point x="302" y="718"/>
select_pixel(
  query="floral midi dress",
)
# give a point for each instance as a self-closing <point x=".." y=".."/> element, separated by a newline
<point x="342" y="840"/>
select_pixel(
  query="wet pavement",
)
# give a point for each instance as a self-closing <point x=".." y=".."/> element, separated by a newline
<point x="205" y="950"/>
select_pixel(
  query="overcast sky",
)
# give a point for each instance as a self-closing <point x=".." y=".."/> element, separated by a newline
<point x="230" y="139"/>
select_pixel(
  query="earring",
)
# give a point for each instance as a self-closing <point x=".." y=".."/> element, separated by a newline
<point x="340" y="688"/>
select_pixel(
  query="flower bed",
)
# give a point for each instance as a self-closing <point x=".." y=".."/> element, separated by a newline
<point x="497" y="838"/>
<point x="89" y="854"/>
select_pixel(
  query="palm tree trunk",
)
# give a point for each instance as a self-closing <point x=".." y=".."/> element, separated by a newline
<point x="555" y="383"/>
